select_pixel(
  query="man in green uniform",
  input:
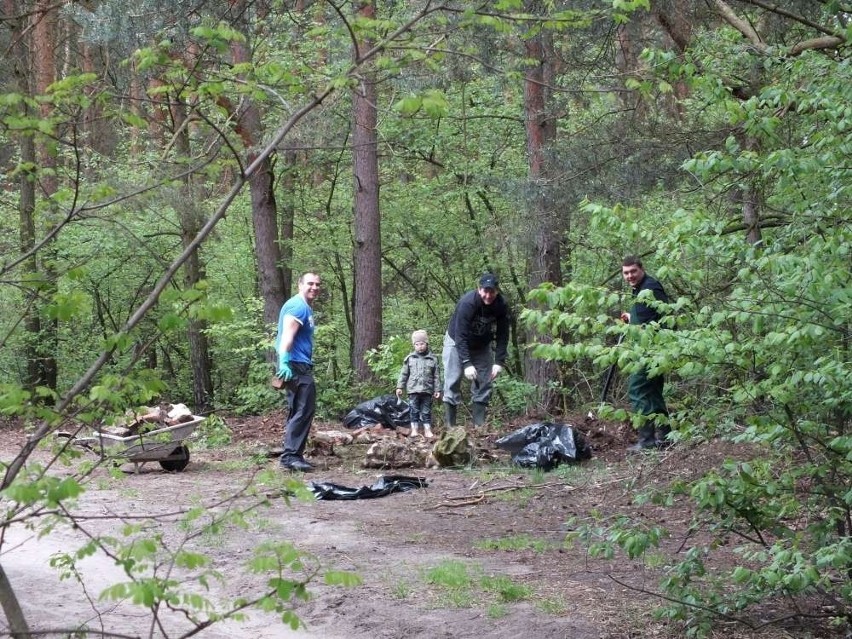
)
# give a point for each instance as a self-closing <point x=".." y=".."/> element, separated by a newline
<point x="646" y="393"/>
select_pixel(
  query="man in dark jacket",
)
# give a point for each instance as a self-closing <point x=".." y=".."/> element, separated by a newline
<point x="481" y="317"/>
<point x="646" y="393"/>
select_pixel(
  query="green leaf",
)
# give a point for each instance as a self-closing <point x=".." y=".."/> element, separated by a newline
<point x="342" y="578"/>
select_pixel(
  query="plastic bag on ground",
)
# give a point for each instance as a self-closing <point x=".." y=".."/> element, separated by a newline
<point x="387" y="410"/>
<point x="384" y="485"/>
<point x="545" y="445"/>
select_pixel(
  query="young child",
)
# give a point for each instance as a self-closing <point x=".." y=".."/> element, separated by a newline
<point x="421" y="378"/>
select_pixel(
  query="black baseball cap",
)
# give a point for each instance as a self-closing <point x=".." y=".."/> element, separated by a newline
<point x="489" y="280"/>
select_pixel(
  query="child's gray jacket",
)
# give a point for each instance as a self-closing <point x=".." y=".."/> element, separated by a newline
<point x="420" y="373"/>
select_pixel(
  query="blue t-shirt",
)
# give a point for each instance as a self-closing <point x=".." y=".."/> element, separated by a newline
<point x="303" y="343"/>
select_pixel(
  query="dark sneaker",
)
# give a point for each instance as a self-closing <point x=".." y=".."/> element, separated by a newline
<point x="296" y="464"/>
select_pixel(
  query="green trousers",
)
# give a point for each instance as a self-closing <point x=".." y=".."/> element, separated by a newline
<point x="646" y="396"/>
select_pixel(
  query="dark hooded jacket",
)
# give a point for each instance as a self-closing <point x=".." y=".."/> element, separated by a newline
<point x="474" y="325"/>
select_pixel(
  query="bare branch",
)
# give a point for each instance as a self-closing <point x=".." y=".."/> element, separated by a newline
<point x="729" y="16"/>
<point x="825" y="42"/>
<point x="775" y="8"/>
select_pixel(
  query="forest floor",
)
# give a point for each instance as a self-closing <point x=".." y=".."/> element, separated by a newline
<point x="480" y="552"/>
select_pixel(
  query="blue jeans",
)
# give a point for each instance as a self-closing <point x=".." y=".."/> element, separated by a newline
<point x="420" y="405"/>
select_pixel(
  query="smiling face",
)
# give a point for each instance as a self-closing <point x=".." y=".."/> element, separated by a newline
<point x="488" y="295"/>
<point x="309" y="287"/>
<point x="632" y="274"/>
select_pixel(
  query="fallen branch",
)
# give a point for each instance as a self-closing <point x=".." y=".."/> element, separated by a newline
<point x="463" y="501"/>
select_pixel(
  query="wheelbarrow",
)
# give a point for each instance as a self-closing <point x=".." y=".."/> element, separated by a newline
<point x="163" y="445"/>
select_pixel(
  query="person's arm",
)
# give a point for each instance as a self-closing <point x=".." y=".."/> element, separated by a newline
<point x="641" y="313"/>
<point x="464" y="317"/>
<point x="502" y="339"/>
<point x="403" y="377"/>
<point x="290" y="326"/>
<point x="660" y="293"/>
<point x="466" y="312"/>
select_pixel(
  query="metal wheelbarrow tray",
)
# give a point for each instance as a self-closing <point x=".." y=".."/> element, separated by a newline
<point x="163" y="445"/>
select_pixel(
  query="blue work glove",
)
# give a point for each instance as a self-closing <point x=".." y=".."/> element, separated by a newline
<point x="284" y="370"/>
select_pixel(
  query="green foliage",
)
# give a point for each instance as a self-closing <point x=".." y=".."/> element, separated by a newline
<point x="512" y="396"/>
<point x="513" y="543"/>
<point x="255" y="396"/>
<point x="386" y="360"/>
<point x="755" y="346"/>
<point x="34" y="487"/>
<point x="213" y="432"/>
<point x="463" y="585"/>
<point x="433" y="103"/>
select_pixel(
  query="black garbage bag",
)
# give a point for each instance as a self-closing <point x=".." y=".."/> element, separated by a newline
<point x="384" y="485"/>
<point x="387" y="410"/>
<point x="545" y="445"/>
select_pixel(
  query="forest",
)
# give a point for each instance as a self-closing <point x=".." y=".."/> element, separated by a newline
<point x="170" y="168"/>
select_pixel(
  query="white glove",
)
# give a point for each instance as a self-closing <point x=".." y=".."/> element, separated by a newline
<point x="496" y="370"/>
<point x="470" y="372"/>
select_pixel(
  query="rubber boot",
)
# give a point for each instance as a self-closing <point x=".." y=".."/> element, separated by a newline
<point x="662" y="436"/>
<point x="427" y="431"/>
<point x="479" y="414"/>
<point x="450" y="414"/>
<point x="646" y="439"/>
<point x="414" y="427"/>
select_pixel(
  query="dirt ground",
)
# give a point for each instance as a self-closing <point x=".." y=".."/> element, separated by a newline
<point x="502" y="524"/>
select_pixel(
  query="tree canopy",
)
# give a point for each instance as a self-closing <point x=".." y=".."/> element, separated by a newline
<point x="168" y="170"/>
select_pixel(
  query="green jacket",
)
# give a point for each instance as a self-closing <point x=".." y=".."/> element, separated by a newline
<point x="420" y="373"/>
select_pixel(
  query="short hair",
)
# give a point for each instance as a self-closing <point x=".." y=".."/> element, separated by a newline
<point x="305" y="274"/>
<point x="632" y="260"/>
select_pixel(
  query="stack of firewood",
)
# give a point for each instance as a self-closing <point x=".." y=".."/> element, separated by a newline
<point x="149" y="418"/>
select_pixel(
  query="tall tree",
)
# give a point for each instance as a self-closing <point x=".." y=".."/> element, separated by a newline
<point x="191" y="220"/>
<point x="548" y="223"/>
<point x="273" y="273"/>
<point x="367" y="258"/>
<point x="42" y="362"/>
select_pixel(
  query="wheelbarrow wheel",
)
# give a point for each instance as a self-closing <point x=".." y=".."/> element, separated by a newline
<point x="177" y="461"/>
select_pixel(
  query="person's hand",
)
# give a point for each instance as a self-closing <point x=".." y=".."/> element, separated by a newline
<point x="470" y="372"/>
<point x="284" y="370"/>
<point x="399" y="392"/>
<point x="625" y="317"/>
<point x="496" y="370"/>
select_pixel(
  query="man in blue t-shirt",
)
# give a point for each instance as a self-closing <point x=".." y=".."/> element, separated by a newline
<point x="295" y="345"/>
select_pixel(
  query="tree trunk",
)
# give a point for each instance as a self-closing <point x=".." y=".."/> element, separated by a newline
<point x="45" y="333"/>
<point x="368" y="247"/>
<point x="286" y="220"/>
<point x="8" y="598"/>
<point x="545" y="262"/>
<point x="102" y="136"/>
<point x="191" y="221"/>
<point x="26" y="234"/>
<point x="751" y="197"/>
<point x="18" y="626"/>
<point x="264" y="209"/>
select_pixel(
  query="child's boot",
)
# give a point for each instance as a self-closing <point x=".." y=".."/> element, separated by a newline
<point x="414" y="427"/>
<point x="427" y="431"/>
